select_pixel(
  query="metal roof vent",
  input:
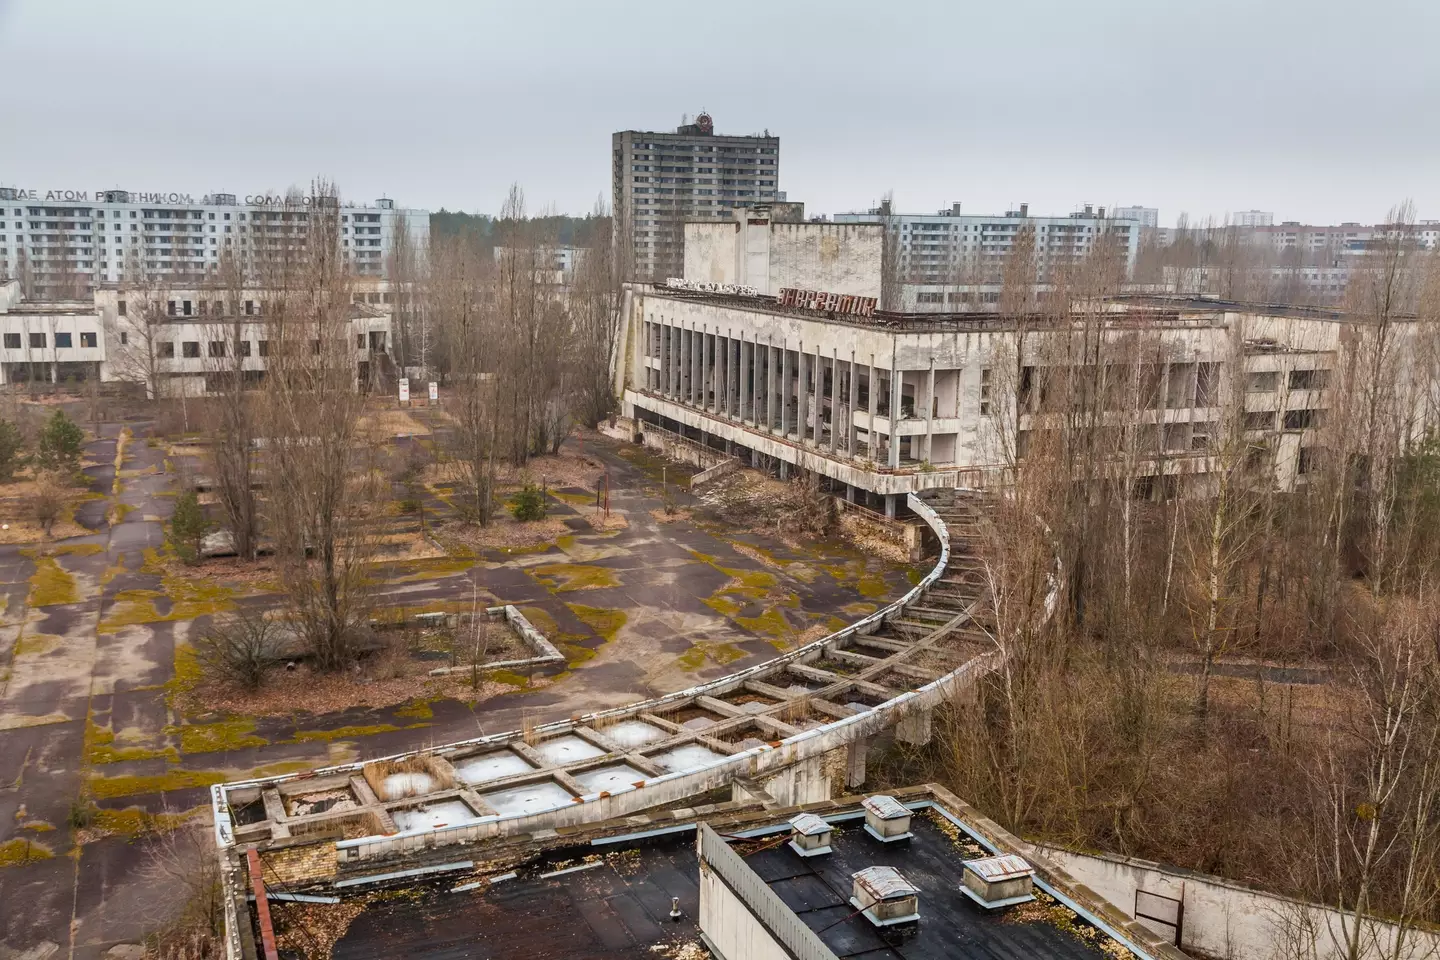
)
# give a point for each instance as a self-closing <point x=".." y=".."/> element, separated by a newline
<point x="886" y="819"/>
<point x="809" y="835"/>
<point x="997" y="882"/>
<point x="886" y="898"/>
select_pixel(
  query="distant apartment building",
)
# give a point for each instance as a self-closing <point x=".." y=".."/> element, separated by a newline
<point x="66" y="243"/>
<point x="661" y="180"/>
<point x="553" y="265"/>
<point x="950" y="247"/>
<point x="1145" y="216"/>
<point x="1252" y="218"/>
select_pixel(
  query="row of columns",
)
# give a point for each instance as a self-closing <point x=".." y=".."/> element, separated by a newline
<point x="769" y="386"/>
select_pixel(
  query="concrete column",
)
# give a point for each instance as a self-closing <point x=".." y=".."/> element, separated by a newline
<point x="746" y="405"/>
<point x="675" y="362"/>
<point x="834" y="400"/>
<point x="707" y="363"/>
<point x="665" y="360"/>
<point x="722" y="358"/>
<point x="892" y="504"/>
<point x="929" y="408"/>
<point x="697" y="370"/>
<point x="874" y="406"/>
<point x="817" y="418"/>
<point x="769" y="388"/>
<point x="802" y="392"/>
<point x="855" y="755"/>
<point x="894" y="459"/>
<point x="854" y="399"/>
<point x="784" y="389"/>
<point x="737" y="354"/>
<point x="914" y="729"/>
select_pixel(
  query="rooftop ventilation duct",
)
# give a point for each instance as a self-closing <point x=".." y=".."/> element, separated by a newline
<point x="809" y="835"/>
<point x="886" y="819"/>
<point x="884" y="897"/>
<point x="997" y="882"/>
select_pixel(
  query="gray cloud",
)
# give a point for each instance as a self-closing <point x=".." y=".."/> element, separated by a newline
<point x="1317" y="110"/>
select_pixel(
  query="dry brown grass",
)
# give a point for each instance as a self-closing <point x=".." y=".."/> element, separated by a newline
<point x="504" y="532"/>
<point x="381" y="425"/>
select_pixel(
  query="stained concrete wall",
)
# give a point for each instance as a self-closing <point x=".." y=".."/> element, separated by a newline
<point x="1225" y="919"/>
<point x="755" y="251"/>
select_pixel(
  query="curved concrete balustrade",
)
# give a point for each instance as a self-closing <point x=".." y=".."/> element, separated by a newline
<point x="530" y="792"/>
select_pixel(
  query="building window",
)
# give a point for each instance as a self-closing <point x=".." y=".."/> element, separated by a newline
<point x="1301" y="419"/>
<point x="124" y="337"/>
<point x="249" y="308"/>
<point x="217" y="348"/>
<point x="263" y="347"/>
<point x="1263" y="382"/>
<point x="88" y="339"/>
<point x="188" y="308"/>
<point x="122" y="308"/>
<point x="172" y="308"/>
<point x="1307" y="379"/>
<point x="1260" y="420"/>
<point x="37" y="341"/>
<point x="244" y="348"/>
<point x="190" y="349"/>
<point x="985" y="391"/>
<point x="315" y="347"/>
<point x="12" y="341"/>
<point x="63" y="341"/>
<point x="167" y="350"/>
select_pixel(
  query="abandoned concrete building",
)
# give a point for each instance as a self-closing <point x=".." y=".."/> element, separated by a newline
<point x="885" y="404"/>
<point x="172" y="343"/>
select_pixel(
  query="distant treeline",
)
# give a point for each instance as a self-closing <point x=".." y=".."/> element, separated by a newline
<point x="484" y="229"/>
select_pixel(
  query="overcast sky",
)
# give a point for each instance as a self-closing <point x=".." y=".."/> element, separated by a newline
<point x="1320" y="111"/>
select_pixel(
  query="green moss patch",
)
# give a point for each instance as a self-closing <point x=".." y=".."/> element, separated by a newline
<point x="416" y="710"/>
<point x="23" y="850"/>
<point x="345" y="733"/>
<point x="564" y="577"/>
<point x="35" y="644"/>
<point x="177" y="779"/>
<point x="604" y="622"/>
<point x="100" y="747"/>
<point x="234" y="734"/>
<point x="51" y="584"/>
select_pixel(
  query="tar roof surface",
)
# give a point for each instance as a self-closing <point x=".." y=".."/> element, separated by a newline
<point x="621" y="908"/>
<point x="951" y="925"/>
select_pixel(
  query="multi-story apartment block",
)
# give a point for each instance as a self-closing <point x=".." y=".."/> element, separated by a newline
<point x="954" y="247"/>
<point x="1148" y="217"/>
<point x="663" y="179"/>
<point x="66" y="243"/>
<point x="1252" y="218"/>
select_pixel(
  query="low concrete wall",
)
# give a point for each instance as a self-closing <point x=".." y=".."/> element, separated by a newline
<point x="544" y="651"/>
<point x="623" y="428"/>
<point x="1226" y="919"/>
<point x="725" y="467"/>
<point x="741" y="918"/>
<point x="680" y="448"/>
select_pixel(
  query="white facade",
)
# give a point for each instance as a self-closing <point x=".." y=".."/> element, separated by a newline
<point x="1252" y="218"/>
<point x="951" y="247"/>
<point x="172" y="346"/>
<point x="661" y="180"/>
<point x="68" y="242"/>
<point x="754" y="250"/>
<point x="894" y="404"/>
<point x="49" y="342"/>
<point x="1145" y="216"/>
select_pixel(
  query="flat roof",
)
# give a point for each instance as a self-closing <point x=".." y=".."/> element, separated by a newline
<point x="611" y="899"/>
